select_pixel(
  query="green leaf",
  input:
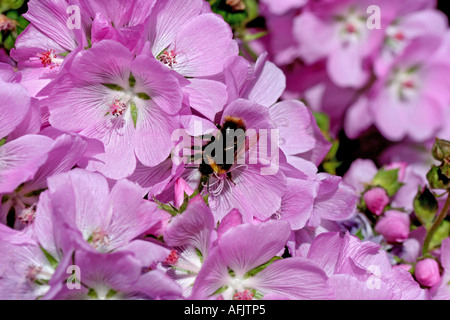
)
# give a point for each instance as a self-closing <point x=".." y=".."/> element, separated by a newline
<point x="5" y="198"/>
<point x="112" y="86"/>
<point x="89" y="44"/>
<point x="436" y="179"/>
<point x="220" y="290"/>
<point x="254" y="36"/>
<point x="23" y="23"/>
<point x="323" y="121"/>
<point x="199" y="254"/>
<point x="111" y="293"/>
<point x="132" y="81"/>
<point x="252" y="9"/>
<point x="441" y="233"/>
<point x="13" y="15"/>
<point x="2" y="142"/>
<point x="34" y="193"/>
<point x="41" y="282"/>
<point x="231" y="272"/>
<point x="387" y="179"/>
<point x="6" y="5"/>
<point x="425" y="206"/>
<point x="9" y="42"/>
<point x="134" y="112"/>
<point x="53" y="262"/>
<point x="65" y="54"/>
<point x="144" y="96"/>
<point x="257" y="295"/>
<point x="93" y="294"/>
<point x="167" y="207"/>
<point x="445" y="170"/>
<point x="252" y="272"/>
<point x="359" y="234"/>
<point x="235" y="18"/>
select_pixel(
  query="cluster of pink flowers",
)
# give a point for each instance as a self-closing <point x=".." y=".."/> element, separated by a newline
<point x="365" y="63"/>
<point x="98" y="200"/>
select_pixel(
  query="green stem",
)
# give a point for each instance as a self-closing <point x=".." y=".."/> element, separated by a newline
<point x="436" y="225"/>
<point x="249" y="50"/>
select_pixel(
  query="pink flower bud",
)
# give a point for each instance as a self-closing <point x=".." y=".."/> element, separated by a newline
<point x="180" y="188"/>
<point x="427" y="272"/>
<point x="376" y="200"/>
<point x="394" y="226"/>
<point x="401" y="166"/>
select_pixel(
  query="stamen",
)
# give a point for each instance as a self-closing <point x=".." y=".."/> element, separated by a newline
<point x="169" y="58"/>
<point x="246" y="295"/>
<point x="408" y="84"/>
<point x="99" y="238"/>
<point x="49" y="58"/>
<point x="27" y="215"/>
<point x="33" y="273"/>
<point x="399" y="36"/>
<point x="117" y="108"/>
<point x="172" y="258"/>
<point x="351" y="28"/>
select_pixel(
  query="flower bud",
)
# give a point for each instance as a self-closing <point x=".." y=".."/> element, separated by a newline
<point x="427" y="272"/>
<point x="441" y="149"/>
<point x="394" y="226"/>
<point x="180" y="188"/>
<point x="376" y="200"/>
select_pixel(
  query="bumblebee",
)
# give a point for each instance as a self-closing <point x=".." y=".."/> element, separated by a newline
<point x="231" y="141"/>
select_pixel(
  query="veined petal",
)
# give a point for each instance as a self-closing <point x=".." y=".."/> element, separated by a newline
<point x="20" y="159"/>
<point x="296" y="278"/>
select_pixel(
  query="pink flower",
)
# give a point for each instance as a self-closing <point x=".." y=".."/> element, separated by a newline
<point x="427" y="272"/>
<point x="244" y="248"/>
<point x="410" y="99"/>
<point x="394" y="226"/>
<point x="376" y="200"/>
<point x="181" y="187"/>
<point x="125" y="102"/>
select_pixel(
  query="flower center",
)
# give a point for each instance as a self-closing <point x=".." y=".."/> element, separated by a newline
<point x="117" y="108"/>
<point x="173" y="257"/>
<point x="28" y="215"/>
<point x="405" y="84"/>
<point x="33" y="273"/>
<point x="99" y="238"/>
<point x="245" y="295"/>
<point x="50" y="59"/>
<point x="351" y="25"/>
<point x="169" y="58"/>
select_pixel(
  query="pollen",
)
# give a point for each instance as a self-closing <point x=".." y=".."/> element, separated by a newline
<point x="27" y="215"/>
<point x="351" y="28"/>
<point x="408" y="84"/>
<point x="399" y="36"/>
<point x="169" y="58"/>
<point x="117" y="108"/>
<point x="33" y="273"/>
<point x="246" y="295"/>
<point x="99" y="238"/>
<point x="50" y="59"/>
<point x="173" y="257"/>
